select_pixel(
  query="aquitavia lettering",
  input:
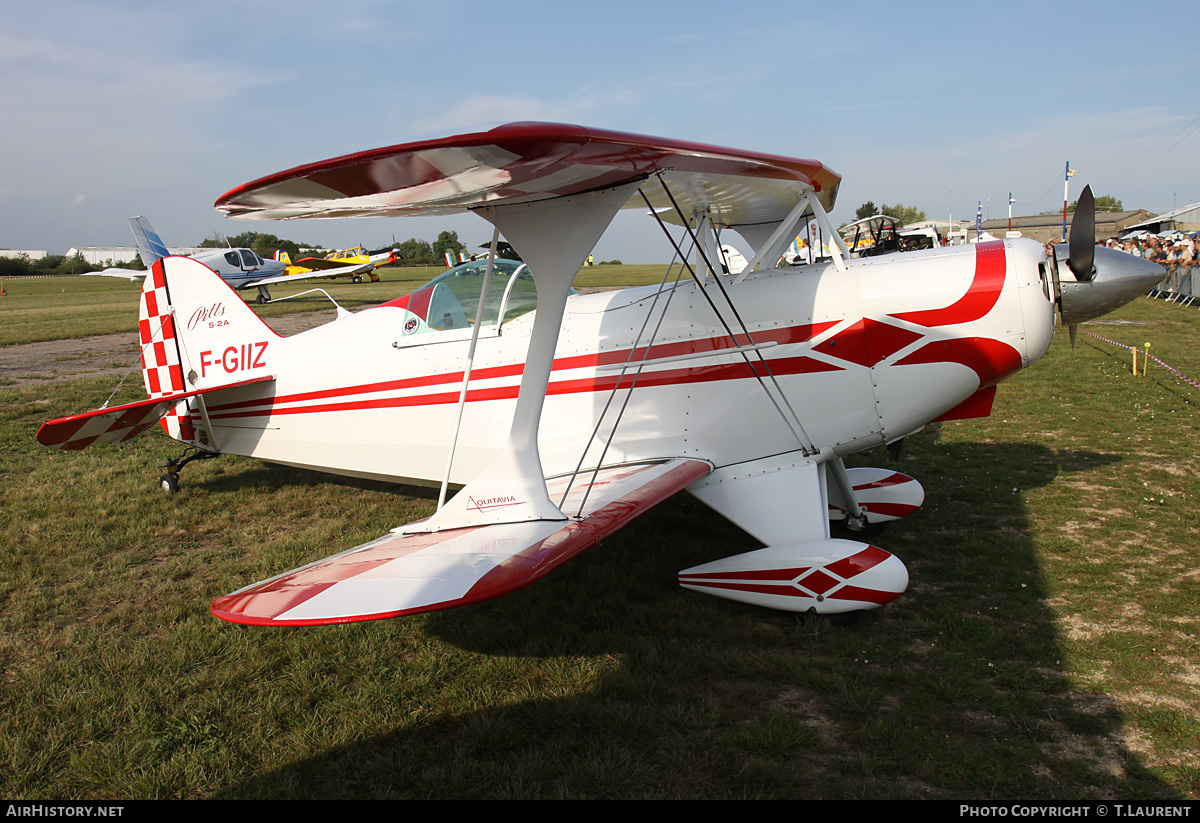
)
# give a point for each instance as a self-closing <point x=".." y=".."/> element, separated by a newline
<point x="491" y="502"/>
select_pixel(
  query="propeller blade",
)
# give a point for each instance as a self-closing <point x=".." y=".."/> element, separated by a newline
<point x="1073" y="329"/>
<point x="1082" y="243"/>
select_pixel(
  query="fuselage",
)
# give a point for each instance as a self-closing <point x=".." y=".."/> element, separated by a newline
<point x="239" y="267"/>
<point x="831" y="359"/>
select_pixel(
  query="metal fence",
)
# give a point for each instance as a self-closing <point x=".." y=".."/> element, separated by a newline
<point x="1179" y="286"/>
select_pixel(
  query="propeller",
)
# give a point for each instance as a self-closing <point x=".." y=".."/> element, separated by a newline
<point x="1103" y="279"/>
<point x="1081" y="248"/>
<point x="1082" y="244"/>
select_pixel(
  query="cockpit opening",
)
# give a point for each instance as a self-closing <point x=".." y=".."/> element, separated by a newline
<point x="450" y="300"/>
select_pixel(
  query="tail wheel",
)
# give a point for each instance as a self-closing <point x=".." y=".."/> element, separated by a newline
<point x="169" y="483"/>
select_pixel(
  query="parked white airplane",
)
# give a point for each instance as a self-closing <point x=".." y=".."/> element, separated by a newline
<point x="565" y="423"/>
<point x="240" y="268"/>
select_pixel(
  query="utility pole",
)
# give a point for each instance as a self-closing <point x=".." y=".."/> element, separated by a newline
<point x="1066" y="185"/>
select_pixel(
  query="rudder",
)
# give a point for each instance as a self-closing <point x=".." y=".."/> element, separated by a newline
<point x="196" y="332"/>
<point x="162" y="366"/>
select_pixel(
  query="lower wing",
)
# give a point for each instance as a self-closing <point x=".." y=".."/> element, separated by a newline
<point x="409" y="573"/>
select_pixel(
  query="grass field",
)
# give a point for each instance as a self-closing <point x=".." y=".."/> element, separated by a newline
<point x="1046" y="648"/>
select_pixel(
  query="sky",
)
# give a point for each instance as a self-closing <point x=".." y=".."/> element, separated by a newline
<point x="113" y="108"/>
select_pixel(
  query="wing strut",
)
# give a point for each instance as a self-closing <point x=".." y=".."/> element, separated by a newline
<point x="554" y="237"/>
<point x="841" y="252"/>
<point x="785" y="230"/>
<point x="793" y="423"/>
<point x="624" y="367"/>
<point x="462" y="394"/>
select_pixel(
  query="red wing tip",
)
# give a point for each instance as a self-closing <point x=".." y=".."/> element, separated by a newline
<point x="242" y="619"/>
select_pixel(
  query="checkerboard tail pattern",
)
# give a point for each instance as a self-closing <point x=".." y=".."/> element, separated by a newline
<point x="162" y="370"/>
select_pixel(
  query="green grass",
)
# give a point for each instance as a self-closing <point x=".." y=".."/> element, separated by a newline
<point x="57" y="308"/>
<point x="1046" y="647"/>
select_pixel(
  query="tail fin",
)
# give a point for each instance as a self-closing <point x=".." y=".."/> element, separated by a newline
<point x="162" y="368"/>
<point x="283" y="257"/>
<point x="196" y="333"/>
<point x="150" y="246"/>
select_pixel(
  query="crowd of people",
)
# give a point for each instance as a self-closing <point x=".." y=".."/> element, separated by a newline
<point x="1172" y="251"/>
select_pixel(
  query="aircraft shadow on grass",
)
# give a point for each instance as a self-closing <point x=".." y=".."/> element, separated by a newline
<point x="957" y="689"/>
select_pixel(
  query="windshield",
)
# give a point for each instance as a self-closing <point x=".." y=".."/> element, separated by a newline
<point x="450" y="300"/>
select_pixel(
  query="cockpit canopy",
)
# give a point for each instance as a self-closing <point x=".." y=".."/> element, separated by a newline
<point x="450" y="300"/>
<point x="244" y="259"/>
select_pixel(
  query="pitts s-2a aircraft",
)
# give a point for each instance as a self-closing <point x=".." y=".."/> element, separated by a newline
<point x="240" y="268"/>
<point x="562" y="425"/>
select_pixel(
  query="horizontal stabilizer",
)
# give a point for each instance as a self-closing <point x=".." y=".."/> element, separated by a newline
<point x="119" y="423"/>
<point x="402" y="574"/>
<point x="826" y="576"/>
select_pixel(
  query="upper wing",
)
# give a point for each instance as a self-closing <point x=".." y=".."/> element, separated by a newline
<point x="525" y="162"/>
<point x="420" y="572"/>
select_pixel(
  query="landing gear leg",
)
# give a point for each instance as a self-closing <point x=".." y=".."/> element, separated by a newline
<point x="856" y="519"/>
<point x="169" y="482"/>
<point x="264" y="296"/>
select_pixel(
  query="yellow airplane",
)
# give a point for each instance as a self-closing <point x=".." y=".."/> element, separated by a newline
<point x="352" y="263"/>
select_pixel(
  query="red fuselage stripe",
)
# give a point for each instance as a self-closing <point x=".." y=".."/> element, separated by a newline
<point x="671" y="377"/>
<point x="981" y="296"/>
<point x="792" y="334"/>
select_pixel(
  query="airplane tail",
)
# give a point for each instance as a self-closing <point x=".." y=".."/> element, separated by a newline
<point x="283" y="257"/>
<point x="196" y="333"/>
<point x="198" y="339"/>
<point x="150" y="246"/>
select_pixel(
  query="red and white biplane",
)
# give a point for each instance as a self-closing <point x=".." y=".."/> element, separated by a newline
<point x="564" y="423"/>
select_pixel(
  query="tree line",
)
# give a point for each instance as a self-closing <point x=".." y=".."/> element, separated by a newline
<point x="22" y="266"/>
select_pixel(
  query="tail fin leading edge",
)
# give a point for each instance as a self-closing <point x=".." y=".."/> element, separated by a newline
<point x="162" y="366"/>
